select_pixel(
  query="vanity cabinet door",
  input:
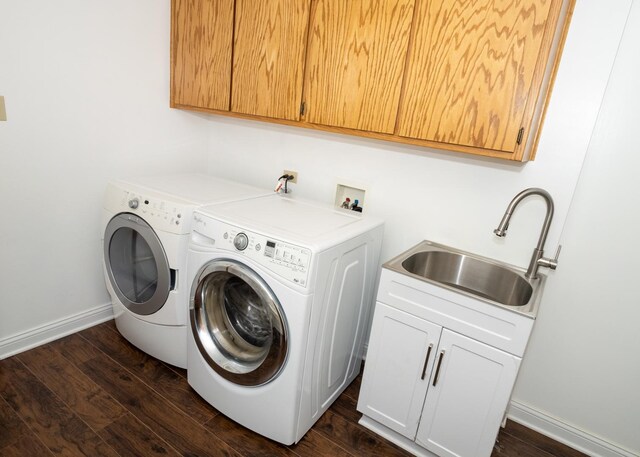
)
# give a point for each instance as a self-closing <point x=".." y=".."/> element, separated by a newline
<point x="468" y="394"/>
<point x="400" y="357"/>
<point x="201" y="39"/>
<point x="475" y="72"/>
<point x="355" y="62"/>
<point x="268" y="57"/>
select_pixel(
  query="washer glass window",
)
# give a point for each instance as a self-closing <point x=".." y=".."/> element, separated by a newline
<point x="238" y="323"/>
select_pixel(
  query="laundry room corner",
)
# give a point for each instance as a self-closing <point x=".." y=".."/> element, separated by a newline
<point x="83" y="105"/>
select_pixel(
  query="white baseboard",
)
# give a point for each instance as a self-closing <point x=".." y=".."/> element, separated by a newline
<point x="565" y="433"/>
<point x="29" y="339"/>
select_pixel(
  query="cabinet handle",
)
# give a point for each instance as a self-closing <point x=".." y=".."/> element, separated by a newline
<point x="426" y="361"/>
<point x="435" y="378"/>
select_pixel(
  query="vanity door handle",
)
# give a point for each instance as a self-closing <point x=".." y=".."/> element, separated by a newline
<point x="426" y="361"/>
<point x="435" y="378"/>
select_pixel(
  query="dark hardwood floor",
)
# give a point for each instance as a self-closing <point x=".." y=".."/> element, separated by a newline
<point x="94" y="394"/>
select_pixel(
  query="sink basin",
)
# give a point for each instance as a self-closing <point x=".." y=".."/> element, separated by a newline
<point x="470" y="274"/>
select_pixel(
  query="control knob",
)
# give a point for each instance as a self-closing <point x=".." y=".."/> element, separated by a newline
<point x="241" y="241"/>
<point x="133" y="203"/>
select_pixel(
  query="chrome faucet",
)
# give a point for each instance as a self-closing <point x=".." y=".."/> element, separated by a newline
<point x="537" y="259"/>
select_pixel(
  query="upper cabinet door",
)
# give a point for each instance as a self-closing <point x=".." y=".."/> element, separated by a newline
<point x="475" y="69"/>
<point x="268" y="57"/>
<point x="202" y="34"/>
<point x="355" y="61"/>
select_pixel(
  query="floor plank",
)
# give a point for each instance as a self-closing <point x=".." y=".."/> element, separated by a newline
<point x="74" y="388"/>
<point x="130" y="437"/>
<point x="11" y="426"/>
<point x="162" y="416"/>
<point x="507" y="445"/>
<point x="26" y="446"/>
<point x="314" y="444"/>
<point x="539" y="441"/>
<point x="111" y="325"/>
<point x="153" y="410"/>
<point x="246" y="442"/>
<point x="63" y="432"/>
<point x="353" y="390"/>
<point x="345" y="406"/>
<point x="353" y="436"/>
<point x="76" y="349"/>
<point x="153" y="372"/>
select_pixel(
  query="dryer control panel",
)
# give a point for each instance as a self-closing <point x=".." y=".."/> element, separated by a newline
<point x="288" y="260"/>
<point x="159" y="213"/>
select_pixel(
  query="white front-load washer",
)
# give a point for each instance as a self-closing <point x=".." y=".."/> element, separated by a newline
<point x="147" y="223"/>
<point x="280" y="300"/>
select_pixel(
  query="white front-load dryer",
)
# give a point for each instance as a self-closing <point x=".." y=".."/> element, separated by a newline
<point x="147" y="223"/>
<point x="281" y="291"/>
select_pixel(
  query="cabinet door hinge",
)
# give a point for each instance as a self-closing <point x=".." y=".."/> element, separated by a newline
<point x="303" y="107"/>
<point x="520" y="135"/>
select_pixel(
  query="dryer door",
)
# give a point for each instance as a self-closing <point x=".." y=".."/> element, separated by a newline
<point x="238" y="323"/>
<point x="136" y="264"/>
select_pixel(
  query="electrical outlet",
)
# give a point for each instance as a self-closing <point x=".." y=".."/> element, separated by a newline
<point x="293" y="180"/>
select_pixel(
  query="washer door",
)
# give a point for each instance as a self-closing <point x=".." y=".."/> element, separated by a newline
<point x="136" y="264"/>
<point x="238" y="323"/>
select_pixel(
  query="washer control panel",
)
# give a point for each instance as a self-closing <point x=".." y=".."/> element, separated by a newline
<point x="288" y="260"/>
<point x="241" y="241"/>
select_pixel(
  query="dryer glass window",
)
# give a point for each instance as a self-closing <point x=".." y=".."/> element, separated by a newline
<point x="133" y="265"/>
<point x="136" y="264"/>
<point x="238" y="324"/>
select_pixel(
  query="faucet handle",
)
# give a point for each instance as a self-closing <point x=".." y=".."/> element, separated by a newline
<point x="550" y="263"/>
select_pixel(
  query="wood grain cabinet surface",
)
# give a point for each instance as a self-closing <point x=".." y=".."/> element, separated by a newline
<point x="268" y="57"/>
<point x="201" y="36"/>
<point x="474" y="71"/>
<point x="461" y="75"/>
<point x="356" y="57"/>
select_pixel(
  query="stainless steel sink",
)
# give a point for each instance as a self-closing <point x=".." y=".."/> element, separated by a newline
<point x="470" y="274"/>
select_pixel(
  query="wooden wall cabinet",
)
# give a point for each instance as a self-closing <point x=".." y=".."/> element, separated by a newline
<point x="355" y="61"/>
<point x="201" y="35"/>
<point x="268" y="57"/>
<point x="475" y="72"/>
<point x="472" y="77"/>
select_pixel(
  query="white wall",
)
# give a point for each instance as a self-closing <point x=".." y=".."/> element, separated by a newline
<point x="583" y="365"/>
<point x="86" y="85"/>
<point x="459" y="200"/>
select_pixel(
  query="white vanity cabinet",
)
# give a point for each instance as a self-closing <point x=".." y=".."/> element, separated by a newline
<point x="440" y="368"/>
<point x="400" y="359"/>
<point x="467" y="398"/>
